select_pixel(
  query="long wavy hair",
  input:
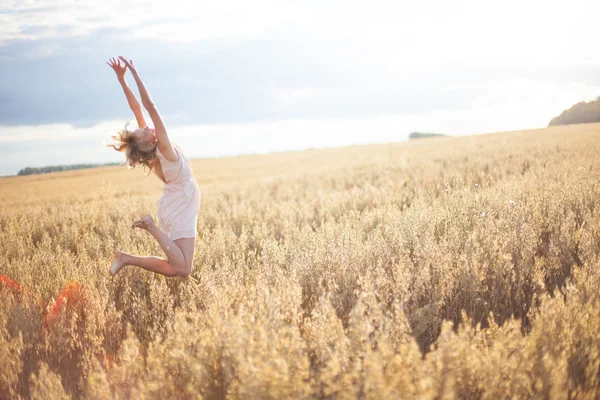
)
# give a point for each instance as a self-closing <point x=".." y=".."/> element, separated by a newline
<point x="136" y="152"/>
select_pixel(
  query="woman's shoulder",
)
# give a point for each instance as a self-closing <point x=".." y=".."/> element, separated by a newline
<point x="162" y="157"/>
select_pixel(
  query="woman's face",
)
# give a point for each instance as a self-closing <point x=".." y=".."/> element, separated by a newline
<point x="145" y="136"/>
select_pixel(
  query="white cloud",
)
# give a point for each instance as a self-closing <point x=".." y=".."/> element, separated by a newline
<point x="392" y="34"/>
<point x="287" y="97"/>
<point x="382" y="50"/>
<point x="183" y="21"/>
<point x="503" y="105"/>
<point x="56" y="132"/>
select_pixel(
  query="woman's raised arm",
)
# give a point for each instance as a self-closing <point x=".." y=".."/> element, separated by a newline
<point x="164" y="144"/>
<point x="133" y="103"/>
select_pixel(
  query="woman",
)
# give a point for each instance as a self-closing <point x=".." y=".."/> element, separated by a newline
<point x="180" y="203"/>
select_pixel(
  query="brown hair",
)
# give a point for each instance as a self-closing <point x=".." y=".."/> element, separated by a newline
<point x="136" y="153"/>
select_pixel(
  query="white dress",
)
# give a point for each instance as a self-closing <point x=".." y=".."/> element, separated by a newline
<point x="179" y="205"/>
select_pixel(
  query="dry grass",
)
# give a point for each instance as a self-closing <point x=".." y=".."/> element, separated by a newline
<point x="443" y="268"/>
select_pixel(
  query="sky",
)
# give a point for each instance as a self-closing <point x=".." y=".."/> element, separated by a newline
<point x="239" y="77"/>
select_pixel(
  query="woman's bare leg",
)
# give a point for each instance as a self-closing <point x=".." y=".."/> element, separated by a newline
<point x="151" y="263"/>
<point x="176" y="258"/>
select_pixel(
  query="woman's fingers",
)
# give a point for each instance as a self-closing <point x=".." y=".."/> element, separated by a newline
<point x="114" y="63"/>
<point x="119" y="69"/>
<point x="129" y="63"/>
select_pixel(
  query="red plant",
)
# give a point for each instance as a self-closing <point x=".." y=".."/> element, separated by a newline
<point x="15" y="287"/>
<point x="18" y="290"/>
<point x="72" y="297"/>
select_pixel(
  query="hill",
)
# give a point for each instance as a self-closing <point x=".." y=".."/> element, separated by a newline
<point x="580" y="113"/>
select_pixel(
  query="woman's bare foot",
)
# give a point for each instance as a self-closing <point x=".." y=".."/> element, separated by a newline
<point x="118" y="263"/>
<point x="145" y="223"/>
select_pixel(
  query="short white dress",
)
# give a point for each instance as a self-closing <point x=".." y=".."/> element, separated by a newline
<point x="179" y="205"/>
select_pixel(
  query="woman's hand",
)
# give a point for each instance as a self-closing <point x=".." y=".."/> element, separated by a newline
<point x="129" y="64"/>
<point x="118" y="68"/>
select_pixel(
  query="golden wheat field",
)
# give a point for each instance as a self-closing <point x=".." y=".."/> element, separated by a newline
<point x="438" y="268"/>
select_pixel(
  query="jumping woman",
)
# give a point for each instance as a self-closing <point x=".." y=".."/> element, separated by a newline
<point x="180" y="203"/>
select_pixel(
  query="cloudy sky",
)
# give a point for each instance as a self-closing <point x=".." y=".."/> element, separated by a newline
<point x="233" y="77"/>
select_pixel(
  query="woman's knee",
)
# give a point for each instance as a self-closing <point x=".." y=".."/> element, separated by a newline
<point x="184" y="272"/>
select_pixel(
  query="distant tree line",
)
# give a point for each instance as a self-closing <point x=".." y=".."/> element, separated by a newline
<point x="55" y="168"/>
<point x="580" y="113"/>
<point x="421" y="135"/>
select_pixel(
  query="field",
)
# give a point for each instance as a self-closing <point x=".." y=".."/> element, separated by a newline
<point x="438" y="268"/>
